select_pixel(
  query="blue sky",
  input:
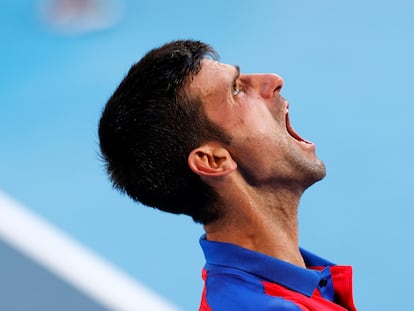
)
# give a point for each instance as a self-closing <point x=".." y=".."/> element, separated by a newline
<point x="347" y="68"/>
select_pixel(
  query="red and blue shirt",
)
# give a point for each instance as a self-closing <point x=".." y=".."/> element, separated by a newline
<point x="240" y="279"/>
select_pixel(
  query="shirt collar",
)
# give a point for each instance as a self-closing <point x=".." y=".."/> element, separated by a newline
<point x="267" y="268"/>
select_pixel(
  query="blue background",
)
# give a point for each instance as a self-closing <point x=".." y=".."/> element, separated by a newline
<point x="348" y="71"/>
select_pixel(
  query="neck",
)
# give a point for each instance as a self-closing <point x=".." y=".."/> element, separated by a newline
<point x="262" y="221"/>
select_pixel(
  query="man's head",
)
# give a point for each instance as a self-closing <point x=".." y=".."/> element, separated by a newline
<point x="151" y="124"/>
<point x="183" y="131"/>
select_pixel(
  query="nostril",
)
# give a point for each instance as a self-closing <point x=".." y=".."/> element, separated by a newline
<point x="278" y="83"/>
<point x="277" y="89"/>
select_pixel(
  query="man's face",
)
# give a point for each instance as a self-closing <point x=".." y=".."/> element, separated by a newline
<point x="250" y="109"/>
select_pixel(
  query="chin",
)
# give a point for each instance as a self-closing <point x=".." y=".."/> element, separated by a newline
<point x="315" y="174"/>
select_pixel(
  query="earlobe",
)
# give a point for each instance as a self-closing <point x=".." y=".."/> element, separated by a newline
<point x="210" y="160"/>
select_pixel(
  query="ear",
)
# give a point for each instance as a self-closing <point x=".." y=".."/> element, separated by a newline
<point x="211" y="160"/>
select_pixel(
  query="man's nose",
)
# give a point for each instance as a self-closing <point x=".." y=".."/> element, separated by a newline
<point x="267" y="84"/>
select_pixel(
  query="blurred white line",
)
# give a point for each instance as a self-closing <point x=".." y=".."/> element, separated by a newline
<point x="73" y="262"/>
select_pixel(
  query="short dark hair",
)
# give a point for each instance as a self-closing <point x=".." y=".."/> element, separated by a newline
<point x="151" y="124"/>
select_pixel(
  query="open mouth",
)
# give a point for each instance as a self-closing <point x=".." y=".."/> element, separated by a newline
<point x="292" y="132"/>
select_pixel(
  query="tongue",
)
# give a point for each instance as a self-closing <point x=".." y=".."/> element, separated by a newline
<point x="292" y="132"/>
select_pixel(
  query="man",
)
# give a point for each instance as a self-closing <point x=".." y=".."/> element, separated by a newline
<point x="189" y="135"/>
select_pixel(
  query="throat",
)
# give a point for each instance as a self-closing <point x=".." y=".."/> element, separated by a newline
<point x="257" y="225"/>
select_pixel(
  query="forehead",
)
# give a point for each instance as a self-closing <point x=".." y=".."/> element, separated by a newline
<point x="212" y="77"/>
